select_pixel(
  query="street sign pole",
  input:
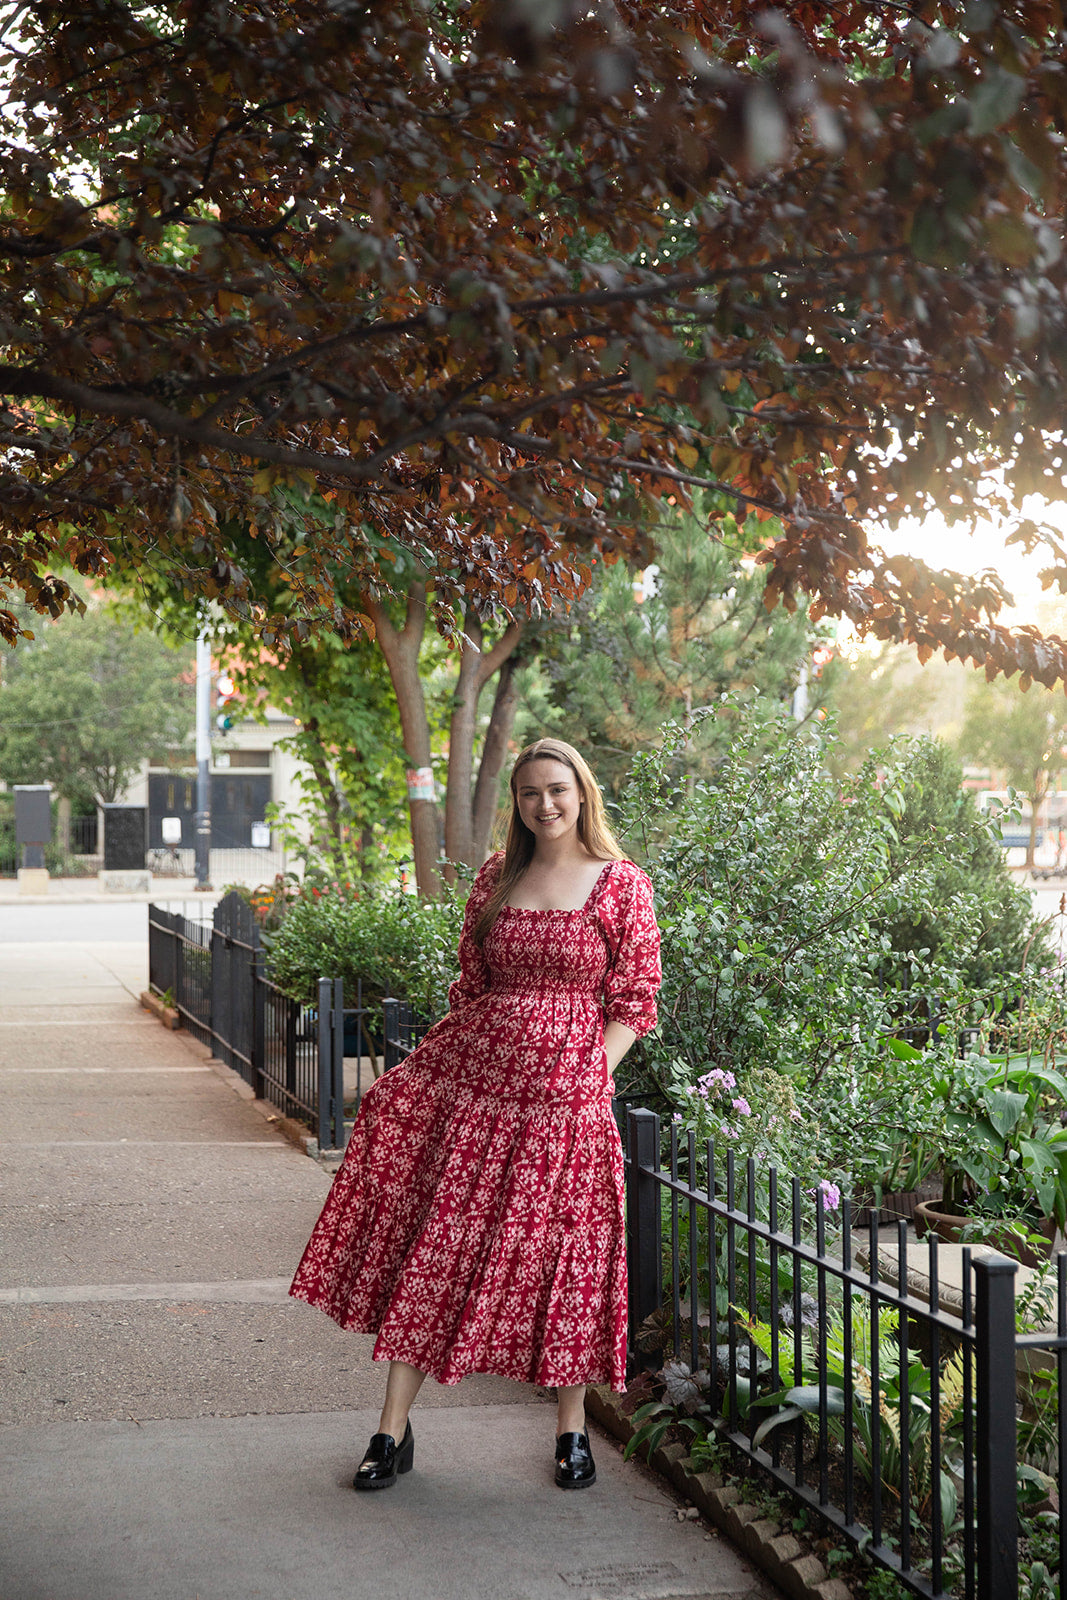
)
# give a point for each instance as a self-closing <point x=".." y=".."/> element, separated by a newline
<point x="203" y="762"/>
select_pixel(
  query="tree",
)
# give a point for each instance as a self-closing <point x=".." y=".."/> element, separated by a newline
<point x="356" y="738"/>
<point x="85" y="702"/>
<point x="639" y="653"/>
<point x="1021" y="735"/>
<point x="876" y="693"/>
<point x="470" y="802"/>
<point x="972" y="918"/>
<point x="492" y="278"/>
<point x="347" y="740"/>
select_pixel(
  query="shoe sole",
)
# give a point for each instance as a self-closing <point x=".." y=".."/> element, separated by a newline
<point x="577" y="1483"/>
<point x="365" y="1484"/>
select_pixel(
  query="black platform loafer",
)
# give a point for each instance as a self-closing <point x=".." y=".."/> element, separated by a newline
<point x="574" y="1461"/>
<point x="385" y="1461"/>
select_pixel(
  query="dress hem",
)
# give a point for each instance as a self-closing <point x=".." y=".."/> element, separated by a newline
<point x="449" y="1379"/>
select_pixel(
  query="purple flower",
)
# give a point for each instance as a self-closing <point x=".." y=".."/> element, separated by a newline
<point x="716" y="1080"/>
<point x="742" y="1106"/>
<point x="831" y="1194"/>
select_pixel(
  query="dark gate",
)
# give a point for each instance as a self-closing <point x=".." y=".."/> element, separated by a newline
<point x="291" y="1054"/>
<point x="234" y="960"/>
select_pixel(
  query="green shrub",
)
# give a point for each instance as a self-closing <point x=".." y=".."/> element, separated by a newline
<point x="396" y="943"/>
<point x="802" y="917"/>
<point x="970" y="915"/>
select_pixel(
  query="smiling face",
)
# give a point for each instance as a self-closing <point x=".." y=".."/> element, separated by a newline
<point x="549" y="799"/>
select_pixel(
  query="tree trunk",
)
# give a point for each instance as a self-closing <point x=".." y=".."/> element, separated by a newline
<point x="466" y="825"/>
<point x="494" y="753"/>
<point x="459" y="796"/>
<point x="400" y="647"/>
<point x="1038" y="793"/>
<point x="63" y="826"/>
<point x="468" y="809"/>
<point x="314" y="753"/>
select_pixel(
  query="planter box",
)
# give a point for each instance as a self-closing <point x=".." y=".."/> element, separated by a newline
<point x="948" y="1226"/>
<point x="168" y="1016"/>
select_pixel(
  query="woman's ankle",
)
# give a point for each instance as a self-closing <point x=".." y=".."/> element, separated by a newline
<point x="570" y="1409"/>
<point x="393" y="1425"/>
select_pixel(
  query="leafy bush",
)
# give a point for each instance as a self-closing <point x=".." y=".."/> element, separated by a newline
<point x="796" y="914"/>
<point x="972" y="916"/>
<point x="397" y="944"/>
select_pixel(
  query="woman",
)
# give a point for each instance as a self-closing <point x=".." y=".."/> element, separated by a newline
<point x="476" y="1224"/>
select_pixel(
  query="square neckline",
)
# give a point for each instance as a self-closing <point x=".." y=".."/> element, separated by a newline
<point x="564" y="911"/>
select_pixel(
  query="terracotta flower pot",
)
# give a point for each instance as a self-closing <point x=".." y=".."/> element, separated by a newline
<point x="948" y="1225"/>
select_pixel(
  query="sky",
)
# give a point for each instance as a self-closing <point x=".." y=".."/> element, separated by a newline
<point x="956" y="548"/>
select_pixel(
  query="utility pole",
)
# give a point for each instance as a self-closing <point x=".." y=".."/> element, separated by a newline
<point x="203" y="761"/>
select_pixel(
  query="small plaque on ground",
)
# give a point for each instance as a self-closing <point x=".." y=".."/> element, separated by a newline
<point x="616" y="1580"/>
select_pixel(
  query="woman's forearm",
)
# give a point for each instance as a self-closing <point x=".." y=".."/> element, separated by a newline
<point x="617" y="1040"/>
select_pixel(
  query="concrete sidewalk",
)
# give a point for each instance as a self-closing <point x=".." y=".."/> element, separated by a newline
<point x="172" y="1427"/>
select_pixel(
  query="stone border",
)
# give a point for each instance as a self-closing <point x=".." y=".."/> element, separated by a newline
<point x="777" y="1553"/>
<point x="168" y="1016"/>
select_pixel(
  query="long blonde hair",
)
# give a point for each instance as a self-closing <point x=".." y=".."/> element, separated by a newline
<point x="593" y="828"/>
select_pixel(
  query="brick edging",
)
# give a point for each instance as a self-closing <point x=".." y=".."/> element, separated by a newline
<point x="770" y="1547"/>
<point x="167" y="1015"/>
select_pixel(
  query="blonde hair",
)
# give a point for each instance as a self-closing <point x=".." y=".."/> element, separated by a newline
<point x="593" y="828"/>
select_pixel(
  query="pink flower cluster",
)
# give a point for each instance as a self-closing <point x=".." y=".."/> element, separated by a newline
<point x="715" y="1083"/>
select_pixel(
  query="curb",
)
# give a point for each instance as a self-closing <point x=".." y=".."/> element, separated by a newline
<point x="777" y="1553"/>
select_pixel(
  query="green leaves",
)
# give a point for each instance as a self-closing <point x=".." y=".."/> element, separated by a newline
<point x="995" y="99"/>
<point x="88" y="700"/>
<point x="395" y="943"/>
<point x="1004" y="1110"/>
<point x="804" y="1400"/>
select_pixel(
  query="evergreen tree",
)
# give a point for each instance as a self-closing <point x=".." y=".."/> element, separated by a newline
<point x="639" y="652"/>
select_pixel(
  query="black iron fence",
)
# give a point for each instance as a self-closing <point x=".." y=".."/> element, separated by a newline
<point x="215" y="976"/>
<point x="403" y="1030"/>
<point x="805" y="1344"/>
<point x="893" y="1418"/>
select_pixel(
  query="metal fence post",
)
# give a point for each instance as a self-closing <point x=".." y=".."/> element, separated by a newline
<point x="325" y="1075"/>
<point x="259" y="1024"/>
<point x="390" y="1031"/>
<point x="644" y="1243"/>
<point x="337" y="1064"/>
<point x="997" y="1514"/>
<point x="179" y="965"/>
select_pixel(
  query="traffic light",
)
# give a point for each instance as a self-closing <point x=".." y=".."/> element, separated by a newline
<point x="225" y="689"/>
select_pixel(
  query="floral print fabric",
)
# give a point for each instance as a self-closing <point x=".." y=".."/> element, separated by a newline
<point x="476" y="1223"/>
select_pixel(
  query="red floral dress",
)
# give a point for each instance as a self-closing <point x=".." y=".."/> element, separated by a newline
<point x="476" y="1223"/>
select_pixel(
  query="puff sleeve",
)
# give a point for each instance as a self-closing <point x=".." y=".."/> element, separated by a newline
<point x="633" y="976"/>
<point x="473" y="977"/>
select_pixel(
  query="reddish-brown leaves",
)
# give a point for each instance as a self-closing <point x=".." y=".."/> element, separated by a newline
<point x="491" y="286"/>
